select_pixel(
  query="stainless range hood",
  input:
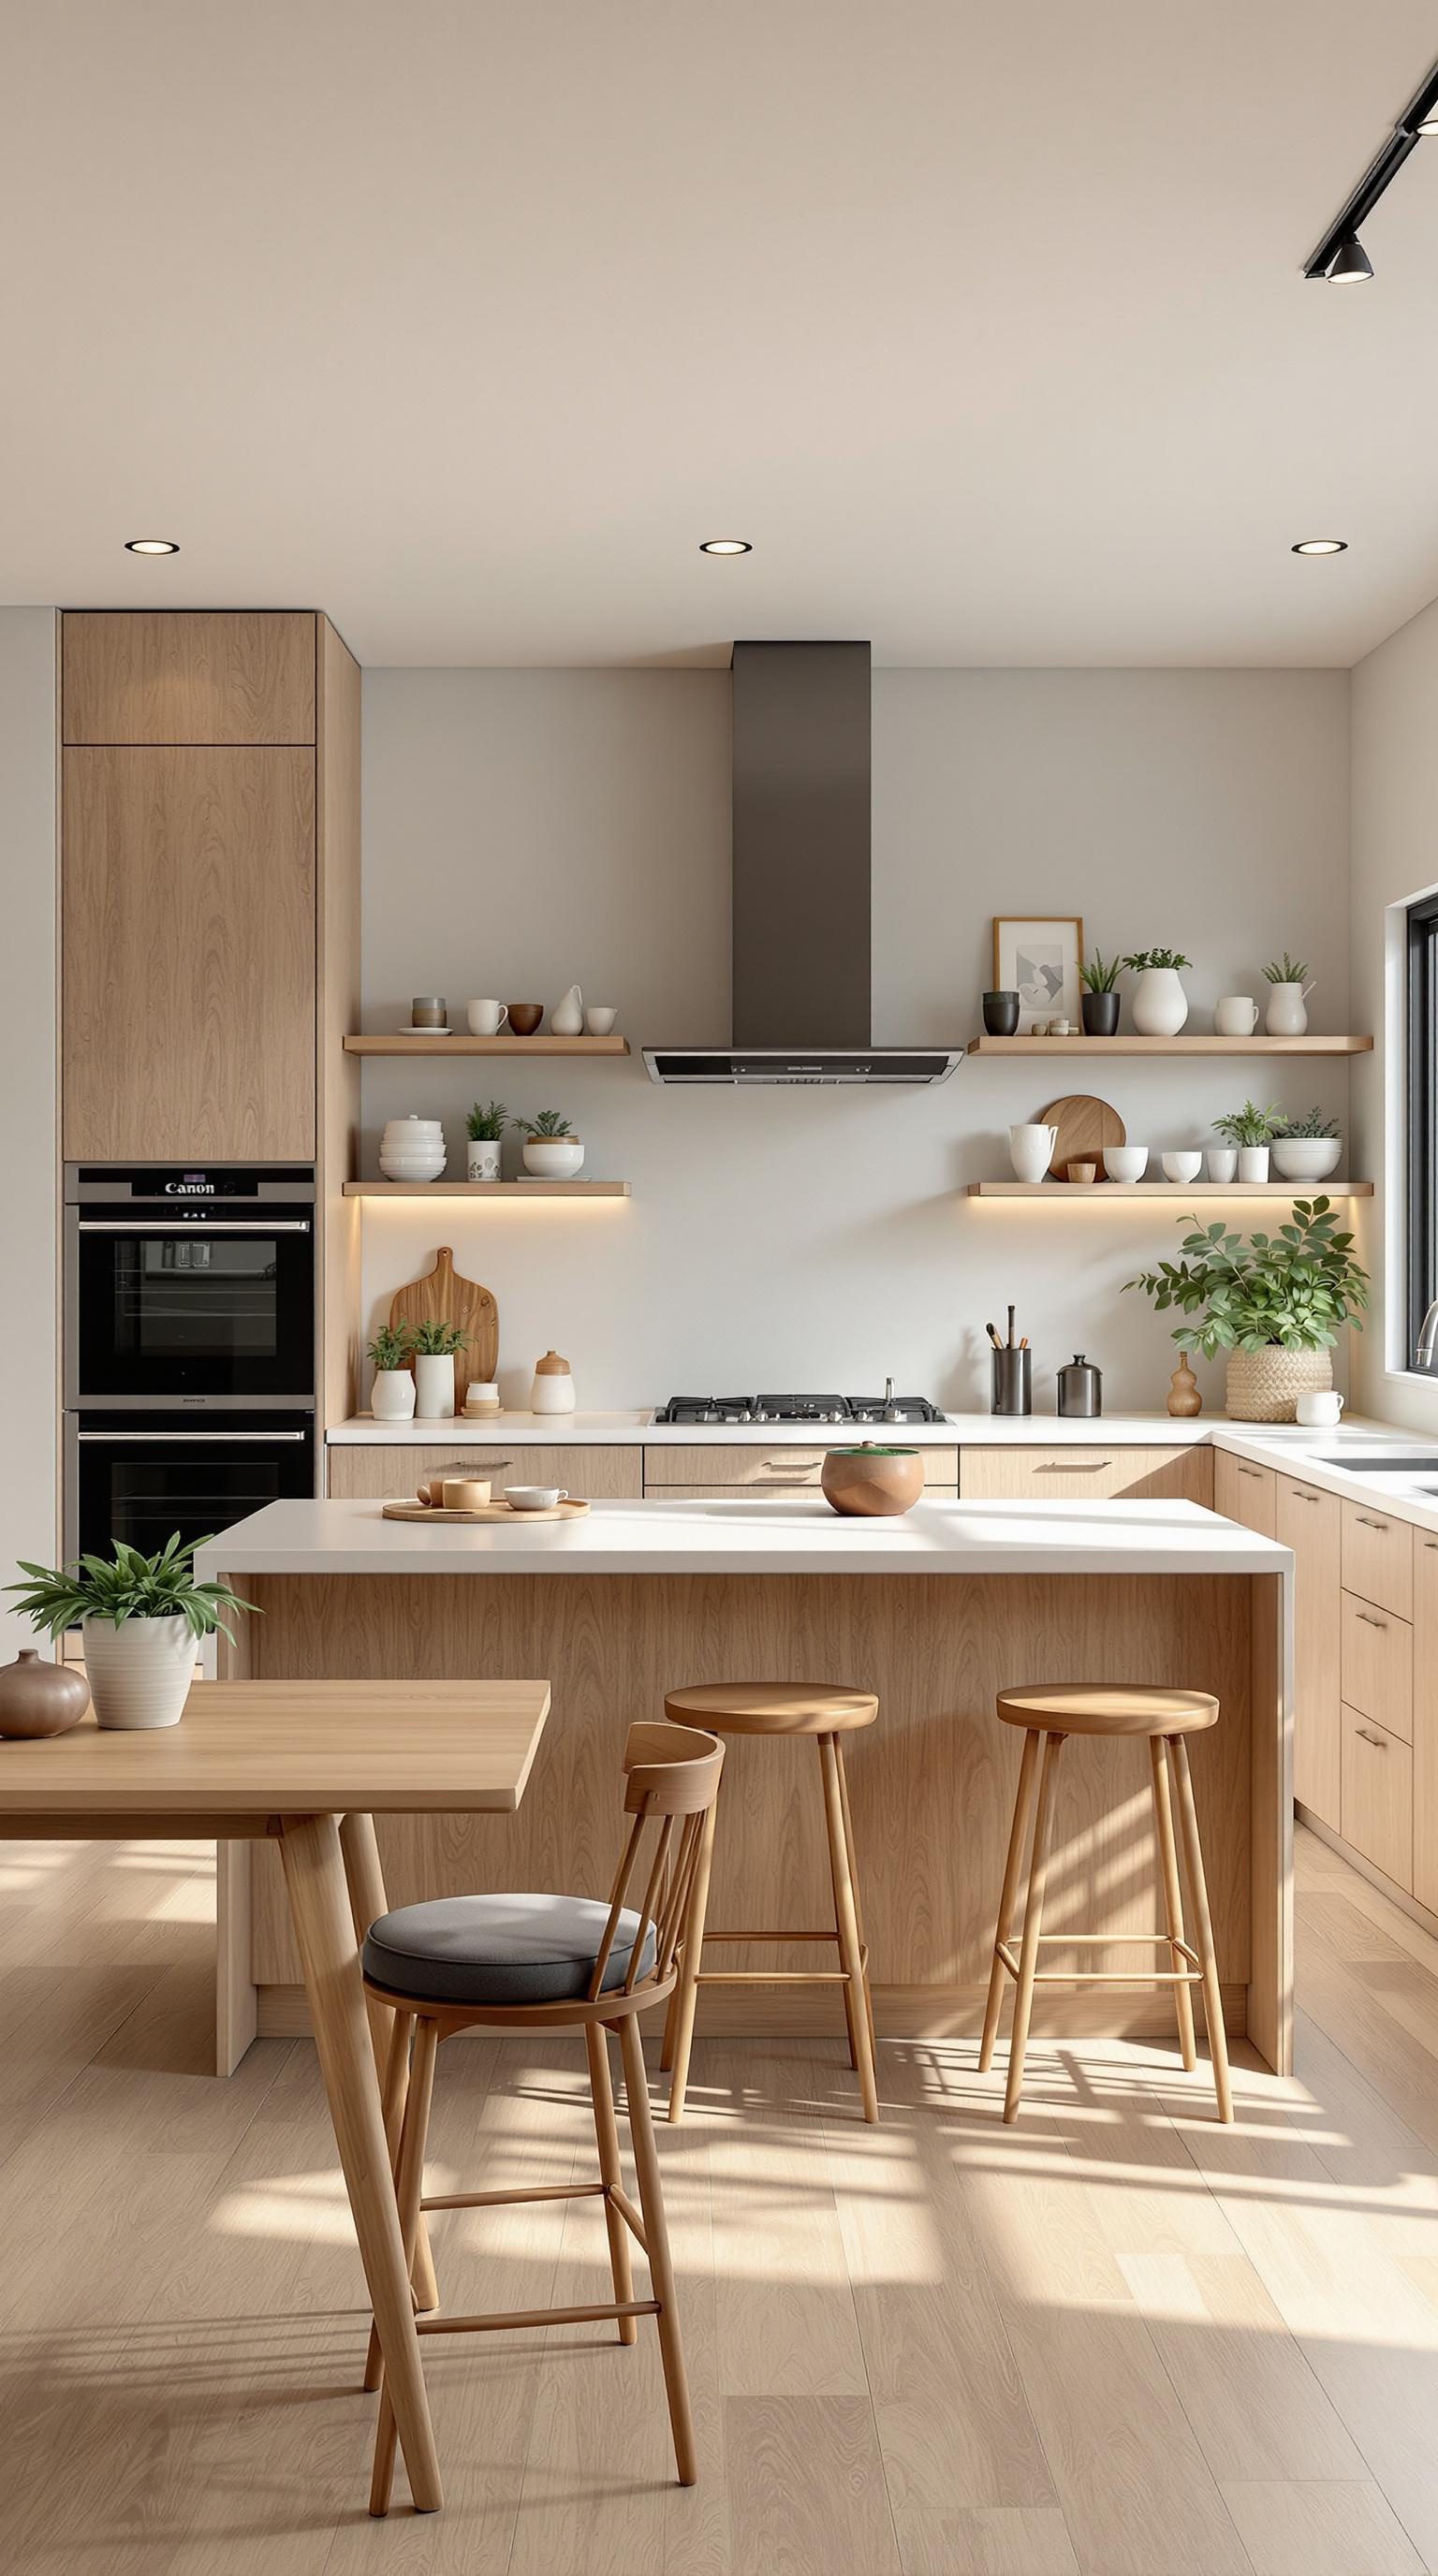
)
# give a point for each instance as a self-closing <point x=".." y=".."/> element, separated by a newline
<point x="801" y="934"/>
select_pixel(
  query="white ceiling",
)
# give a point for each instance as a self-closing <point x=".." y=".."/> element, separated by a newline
<point x="984" y="319"/>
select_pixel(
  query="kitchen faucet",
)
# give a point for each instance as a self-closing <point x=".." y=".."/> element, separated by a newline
<point x="1427" y="1351"/>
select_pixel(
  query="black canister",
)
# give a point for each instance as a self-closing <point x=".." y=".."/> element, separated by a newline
<point x="1080" y="1390"/>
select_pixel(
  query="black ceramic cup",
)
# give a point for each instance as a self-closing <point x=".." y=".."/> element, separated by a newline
<point x="1001" y="1014"/>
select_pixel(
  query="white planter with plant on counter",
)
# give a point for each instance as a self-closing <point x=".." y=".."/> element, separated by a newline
<point x="392" y="1393"/>
<point x="434" y="1345"/>
<point x="1274" y="1304"/>
<point x="140" y="1620"/>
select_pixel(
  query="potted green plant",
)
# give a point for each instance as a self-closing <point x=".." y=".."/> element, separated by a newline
<point x="1274" y="1303"/>
<point x="392" y="1393"/>
<point x="1100" y="1002"/>
<point x="1159" y="1004"/>
<point x="485" y="1127"/>
<point x="1251" y="1129"/>
<point x="140" y="1619"/>
<point x="552" y="1151"/>
<point x="434" y="1345"/>
<point x="1286" y="1016"/>
<point x="1307" y="1148"/>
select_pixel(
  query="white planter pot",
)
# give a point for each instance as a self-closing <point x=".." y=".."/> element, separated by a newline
<point x="1264" y="1386"/>
<point x="553" y="1158"/>
<point x="433" y="1385"/>
<point x="1285" y="1016"/>
<point x="139" y="1674"/>
<point x="1221" y="1162"/>
<point x="1159" y="1005"/>
<point x="1253" y="1162"/>
<point x="481" y="1160"/>
<point x="1306" y="1158"/>
<point x="392" y="1396"/>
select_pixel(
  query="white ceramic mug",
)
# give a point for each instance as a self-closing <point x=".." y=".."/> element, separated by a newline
<point x="535" y="1498"/>
<point x="1222" y="1162"/>
<point x="599" y="1019"/>
<point x="1236" y="1016"/>
<point x="486" y="1019"/>
<point x="1319" y="1409"/>
<point x="1031" y="1149"/>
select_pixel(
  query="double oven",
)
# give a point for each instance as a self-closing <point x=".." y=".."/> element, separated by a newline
<point x="189" y="1348"/>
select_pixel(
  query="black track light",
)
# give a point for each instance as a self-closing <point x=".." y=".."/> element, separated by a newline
<point x="1340" y="258"/>
<point x="1350" y="263"/>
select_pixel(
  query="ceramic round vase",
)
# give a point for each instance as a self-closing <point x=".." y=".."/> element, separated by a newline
<point x="392" y="1397"/>
<point x="1159" y="1004"/>
<point x="481" y="1158"/>
<point x="567" y="1017"/>
<point x="1184" y="1400"/>
<point x="1286" y="1016"/>
<point x="1264" y="1386"/>
<point x="1031" y="1150"/>
<point x="553" y="1387"/>
<point x="872" y="1481"/>
<point x="139" y="1673"/>
<point x="40" y="1698"/>
<point x="433" y="1385"/>
<point x="553" y="1158"/>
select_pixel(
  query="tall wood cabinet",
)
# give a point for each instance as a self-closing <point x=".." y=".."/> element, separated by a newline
<point x="210" y="906"/>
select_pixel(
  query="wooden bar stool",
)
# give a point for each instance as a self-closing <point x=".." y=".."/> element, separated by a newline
<point x="542" y="1963"/>
<point x="781" y="1708"/>
<point x="1166" y="1717"/>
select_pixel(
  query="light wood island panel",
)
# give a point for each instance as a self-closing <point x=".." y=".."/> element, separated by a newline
<point x="932" y="1783"/>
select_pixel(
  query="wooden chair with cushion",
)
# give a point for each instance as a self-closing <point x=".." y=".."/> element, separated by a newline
<point x="556" y="1963"/>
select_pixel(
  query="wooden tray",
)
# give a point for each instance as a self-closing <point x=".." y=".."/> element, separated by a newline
<point x="442" y="1296"/>
<point x="1085" y="1125"/>
<point x="572" y="1510"/>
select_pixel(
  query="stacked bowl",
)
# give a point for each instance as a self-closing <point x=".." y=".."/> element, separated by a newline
<point x="412" y="1149"/>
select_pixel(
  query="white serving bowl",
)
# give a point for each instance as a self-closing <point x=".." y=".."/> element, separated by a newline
<point x="1306" y="1158"/>
<point x="411" y="1167"/>
<point x="553" y="1158"/>
<point x="1125" y="1162"/>
<point x="412" y="1131"/>
<point x="1182" y="1167"/>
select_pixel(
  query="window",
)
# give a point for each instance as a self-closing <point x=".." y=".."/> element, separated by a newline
<point x="1422" y="1116"/>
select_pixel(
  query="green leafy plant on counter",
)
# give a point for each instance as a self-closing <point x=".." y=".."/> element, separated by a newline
<point x="1282" y="970"/>
<point x="1312" y="1123"/>
<point x="488" y="1125"/>
<point x="127" y="1586"/>
<point x="1101" y="974"/>
<point x="391" y="1345"/>
<point x="1250" y="1125"/>
<point x="551" y="1124"/>
<point x="436" y="1339"/>
<point x="1294" y="1288"/>
<point x="1145" y="958"/>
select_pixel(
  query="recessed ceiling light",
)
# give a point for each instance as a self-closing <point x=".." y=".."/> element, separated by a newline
<point x="1321" y="546"/>
<point x="151" y="546"/>
<point x="726" y="546"/>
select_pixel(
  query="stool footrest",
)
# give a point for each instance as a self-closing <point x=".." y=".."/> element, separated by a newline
<point x="538" y="2317"/>
<point x="1193" y="1976"/>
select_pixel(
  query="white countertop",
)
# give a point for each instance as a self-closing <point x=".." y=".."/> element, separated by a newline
<point x="766" y="1536"/>
<point x="972" y="1430"/>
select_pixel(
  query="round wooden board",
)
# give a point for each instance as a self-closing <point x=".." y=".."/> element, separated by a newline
<point x="572" y="1510"/>
<point x="1085" y="1126"/>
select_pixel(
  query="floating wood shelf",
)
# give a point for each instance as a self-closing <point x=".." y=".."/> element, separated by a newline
<point x="486" y="1189"/>
<point x="1112" y="1192"/>
<point x="1071" y="1046"/>
<point x="400" y="1042"/>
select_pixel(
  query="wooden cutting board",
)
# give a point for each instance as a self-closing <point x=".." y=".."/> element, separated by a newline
<point x="571" y="1510"/>
<point x="443" y="1297"/>
<point x="1085" y="1126"/>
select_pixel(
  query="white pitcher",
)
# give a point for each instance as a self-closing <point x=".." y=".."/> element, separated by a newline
<point x="567" y="1017"/>
<point x="1285" y="1016"/>
<point x="1031" y="1150"/>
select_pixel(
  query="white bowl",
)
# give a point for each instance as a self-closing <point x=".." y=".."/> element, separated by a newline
<point x="411" y="1167"/>
<point x="554" y="1158"/>
<point x="1182" y="1167"/>
<point x="1306" y="1158"/>
<point x="1125" y="1162"/>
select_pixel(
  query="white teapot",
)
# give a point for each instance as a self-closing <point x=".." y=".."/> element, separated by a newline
<point x="567" y="1017"/>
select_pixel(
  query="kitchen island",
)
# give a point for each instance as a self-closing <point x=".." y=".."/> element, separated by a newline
<point x="935" y="1612"/>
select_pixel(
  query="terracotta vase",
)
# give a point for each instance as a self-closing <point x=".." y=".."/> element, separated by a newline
<point x="40" y="1698"/>
<point x="1184" y="1400"/>
<point x="872" y="1481"/>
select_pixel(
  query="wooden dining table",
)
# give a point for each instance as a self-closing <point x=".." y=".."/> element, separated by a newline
<point x="310" y="1763"/>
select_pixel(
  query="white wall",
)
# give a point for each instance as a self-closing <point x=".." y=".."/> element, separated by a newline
<point x="524" y="829"/>
<point x="27" y="1084"/>
<point x="1394" y="857"/>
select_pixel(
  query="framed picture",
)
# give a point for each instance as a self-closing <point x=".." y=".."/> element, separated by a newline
<point x="1039" y="959"/>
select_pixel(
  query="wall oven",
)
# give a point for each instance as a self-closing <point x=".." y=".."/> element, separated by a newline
<point x="189" y="1287"/>
<point x="137" y="1476"/>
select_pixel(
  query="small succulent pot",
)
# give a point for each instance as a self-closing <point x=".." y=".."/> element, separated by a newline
<point x="872" y="1482"/>
<point x="392" y="1397"/>
<point x="481" y="1160"/>
<point x="40" y="1698"/>
<point x="553" y="1158"/>
<point x="139" y="1673"/>
<point x="1001" y="1014"/>
<point x="433" y="1385"/>
<point x="1100" y="1014"/>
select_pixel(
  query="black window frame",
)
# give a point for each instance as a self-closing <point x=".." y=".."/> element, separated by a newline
<point x="1421" y="1045"/>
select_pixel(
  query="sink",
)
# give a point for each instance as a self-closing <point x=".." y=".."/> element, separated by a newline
<point x="1385" y="1466"/>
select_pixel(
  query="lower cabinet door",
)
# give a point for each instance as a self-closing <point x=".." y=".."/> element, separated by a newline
<point x="1310" y="1523"/>
<point x="1378" y="1797"/>
<point x="359" y="1468"/>
<point x="1425" y="1718"/>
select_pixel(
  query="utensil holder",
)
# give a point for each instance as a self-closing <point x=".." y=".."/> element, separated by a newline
<point x="1012" y="1374"/>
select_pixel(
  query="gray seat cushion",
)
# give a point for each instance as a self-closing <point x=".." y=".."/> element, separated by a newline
<point x="500" y="1949"/>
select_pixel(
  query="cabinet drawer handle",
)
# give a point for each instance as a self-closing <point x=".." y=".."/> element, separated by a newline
<point x="1300" y="1497"/>
<point x="1072" y="1466"/>
<point x="1368" y="1619"/>
<point x="792" y="1466"/>
<point x="1254" y="1471"/>
<point x="1365" y="1523"/>
<point x="1432" y="1546"/>
<point x="1377" y="1741"/>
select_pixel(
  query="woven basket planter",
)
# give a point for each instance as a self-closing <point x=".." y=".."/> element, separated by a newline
<point x="1263" y="1386"/>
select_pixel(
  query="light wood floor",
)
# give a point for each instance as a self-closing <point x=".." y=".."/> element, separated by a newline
<point x="1116" y="2340"/>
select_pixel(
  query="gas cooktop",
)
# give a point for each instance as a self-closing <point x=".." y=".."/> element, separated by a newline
<point x="802" y="1409"/>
